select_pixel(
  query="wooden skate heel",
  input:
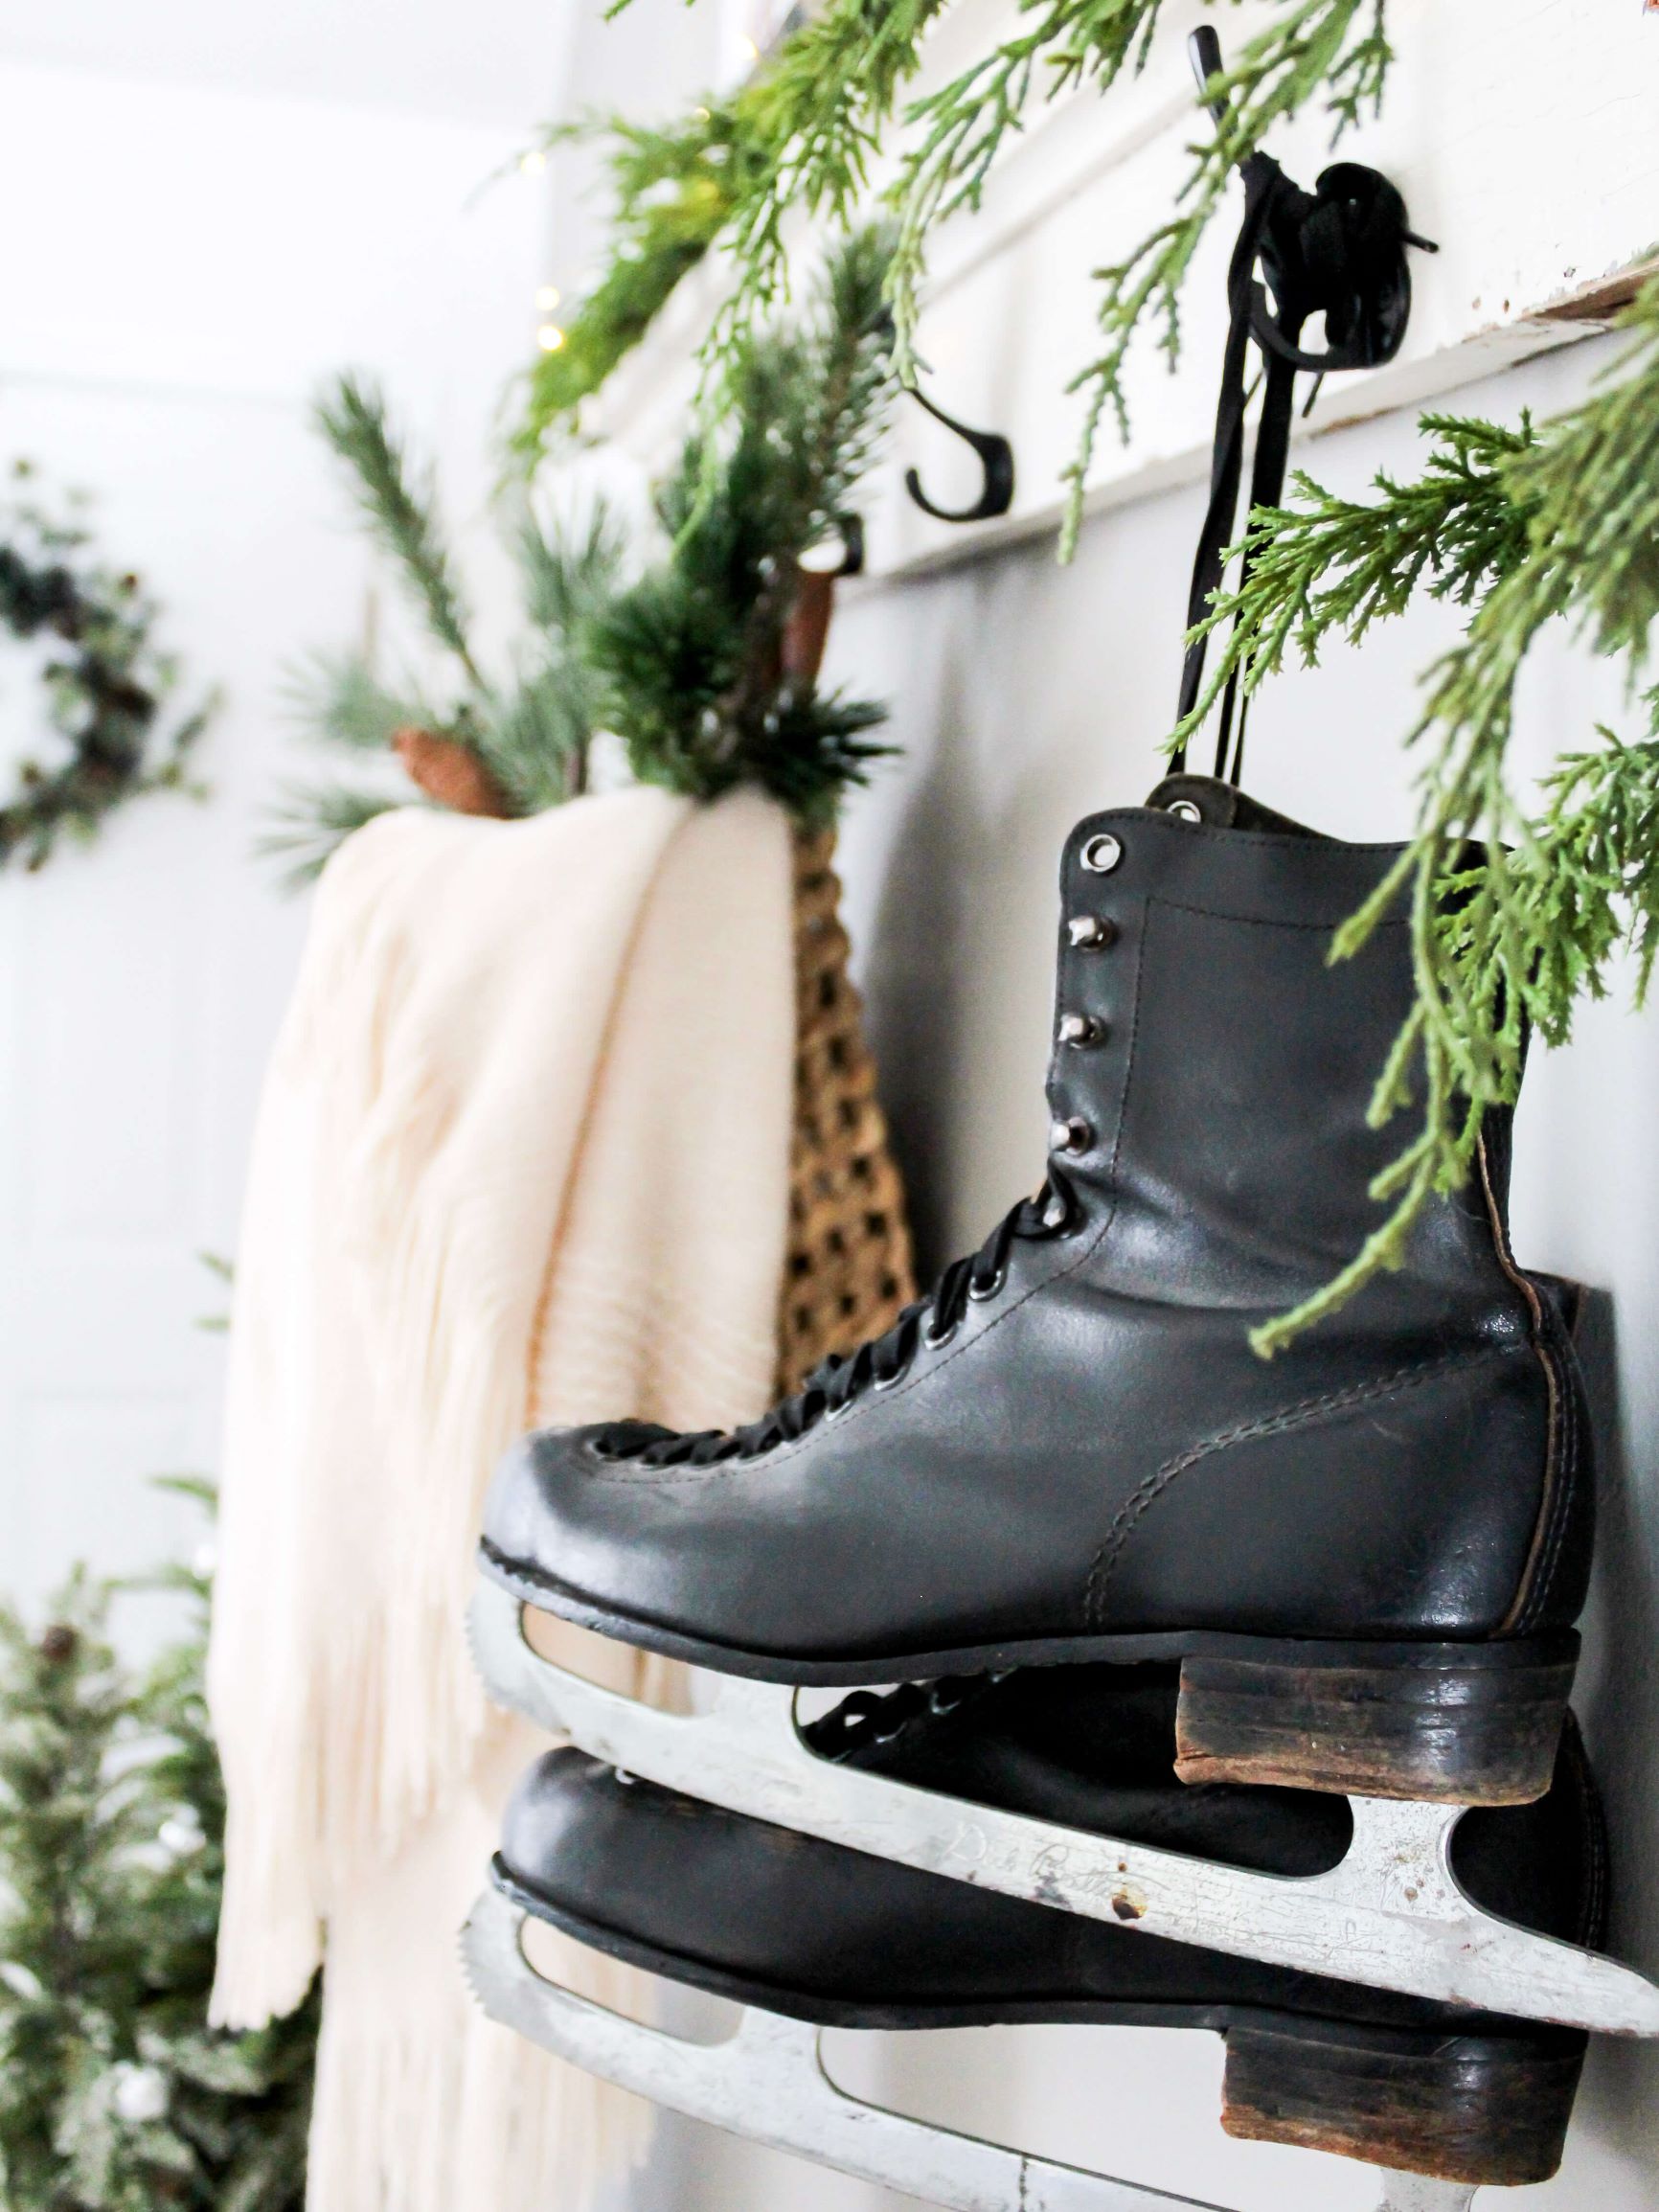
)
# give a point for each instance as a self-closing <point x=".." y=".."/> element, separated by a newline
<point x="1452" y="1723"/>
<point x="1486" y="2109"/>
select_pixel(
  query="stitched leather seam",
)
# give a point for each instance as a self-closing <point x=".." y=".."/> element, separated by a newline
<point x="1561" y="1437"/>
<point x="1268" y="922"/>
<point x="1562" y="1475"/>
<point x="1563" y="1472"/>
<point x="693" y="1475"/>
<point x="1306" y="1413"/>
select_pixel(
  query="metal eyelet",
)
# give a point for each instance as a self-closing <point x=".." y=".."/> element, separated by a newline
<point x="988" y="1290"/>
<point x="936" y="1339"/>
<point x="886" y="1382"/>
<point x="1102" y="854"/>
<point x="1070" y="1135"/>
<point x="1079" y="1030"/>
<point x="1090" y="932"/>
<point x="1185" y="810"/>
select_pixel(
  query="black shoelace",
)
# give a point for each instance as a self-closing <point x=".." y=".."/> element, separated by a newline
<point x="878" y="1364"/>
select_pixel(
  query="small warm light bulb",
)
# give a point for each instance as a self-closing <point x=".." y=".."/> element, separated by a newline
<point x="549" y="338"/>
<point x="750" y="49"/>
<point x="548" y="298"/>
<point x="702" y="115"/>
<point x="534" y="162"/>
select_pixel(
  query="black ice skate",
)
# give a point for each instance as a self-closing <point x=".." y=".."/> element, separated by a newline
<point x="1368" y="1553"/>
<point x="830" y="1936"/>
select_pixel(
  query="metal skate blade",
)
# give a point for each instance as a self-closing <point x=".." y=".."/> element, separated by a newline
<point x="1417" y="2193"/>
<point x="767" y="2082"/>
<point x="1392" y="1915"/>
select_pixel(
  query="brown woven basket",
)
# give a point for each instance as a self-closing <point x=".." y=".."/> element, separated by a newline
<point x="847" y="1269"/>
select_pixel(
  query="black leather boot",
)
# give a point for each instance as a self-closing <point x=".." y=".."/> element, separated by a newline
<point x="771" y="1918"/>
<point x="1368" y="1551"/>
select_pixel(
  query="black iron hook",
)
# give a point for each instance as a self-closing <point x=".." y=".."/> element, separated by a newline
<point x="995" y="459"/>
<point x="1204" y="51"/>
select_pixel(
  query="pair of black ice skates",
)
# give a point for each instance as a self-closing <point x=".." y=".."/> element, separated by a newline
<point x="1188" y="1688"/>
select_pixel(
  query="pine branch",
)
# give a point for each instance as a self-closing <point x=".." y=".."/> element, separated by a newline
<point x="811" y="123"/>
<point x="529" y="738"/>
<point x="536" y="740"/>
<point x="692" y="652"/>
<point x="537" y="746"/>
<point x="400" y="508"/>
<point x="567" y="574"/>
<point x="1332" y="568"/>
<point x="963" y="126"/>
<point x="310" y="822"/>
<point x="340" y="700"/>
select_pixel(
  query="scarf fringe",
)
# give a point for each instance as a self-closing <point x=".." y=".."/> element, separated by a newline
<point x="448" y="1239"/>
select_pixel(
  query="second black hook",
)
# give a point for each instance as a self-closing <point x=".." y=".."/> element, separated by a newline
<point x="995" y="457"/>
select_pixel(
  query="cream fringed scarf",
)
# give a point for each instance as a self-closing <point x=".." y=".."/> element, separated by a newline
<point x="522" y="1158"/>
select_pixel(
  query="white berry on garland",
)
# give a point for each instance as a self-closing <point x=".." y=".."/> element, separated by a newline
<point x="138" y="2094"/>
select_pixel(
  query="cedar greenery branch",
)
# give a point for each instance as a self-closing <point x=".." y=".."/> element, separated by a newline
<point x="1526" y="528"/>
<point x="115" y="2095"/>
<point x="804" y="134"/>
<point x="688" y="662"/>
<point x="105" y="682"/>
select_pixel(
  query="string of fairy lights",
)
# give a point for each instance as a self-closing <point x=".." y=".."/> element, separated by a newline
<point x="532" y="163"/>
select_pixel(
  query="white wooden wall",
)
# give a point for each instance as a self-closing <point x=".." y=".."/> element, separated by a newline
<point x="192" y="262"/>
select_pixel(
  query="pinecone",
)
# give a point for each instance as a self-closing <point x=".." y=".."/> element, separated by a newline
<point x="59" y="1644"/>
<point x="451" y="773"/>
<point x="807" y="626"/>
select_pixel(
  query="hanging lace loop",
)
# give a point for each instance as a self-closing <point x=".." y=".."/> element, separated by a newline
<point x="1340" y="252"/>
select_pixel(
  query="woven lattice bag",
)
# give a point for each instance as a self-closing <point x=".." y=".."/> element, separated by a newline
<point x="847" y="1268"/>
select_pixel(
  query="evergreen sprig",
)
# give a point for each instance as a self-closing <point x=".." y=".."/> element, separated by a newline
<point x="1518" y="907"/>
